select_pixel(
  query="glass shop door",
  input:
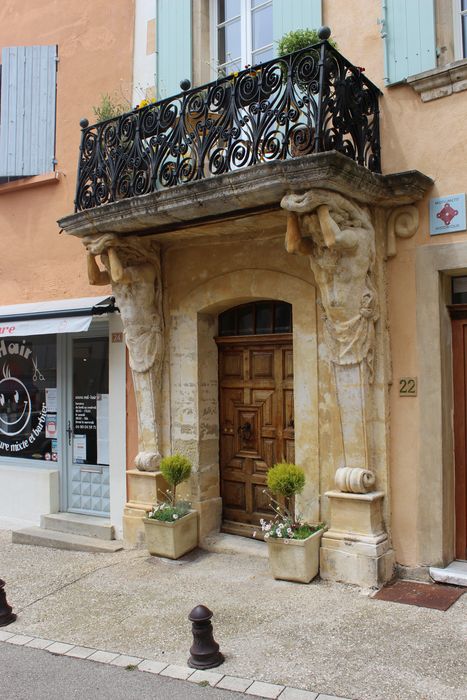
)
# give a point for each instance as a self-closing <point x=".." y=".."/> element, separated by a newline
<point x="87" y="425"/>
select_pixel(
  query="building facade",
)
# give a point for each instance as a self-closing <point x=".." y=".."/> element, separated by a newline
<point x="286" y="248"/>
<point x="62" y="376"/>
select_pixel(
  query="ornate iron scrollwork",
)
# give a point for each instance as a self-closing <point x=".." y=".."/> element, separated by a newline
<point x="309" y="101"/>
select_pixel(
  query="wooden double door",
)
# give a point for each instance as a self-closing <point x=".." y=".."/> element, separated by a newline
<point x="256" y="423"/>
<point x="459" y="351"/>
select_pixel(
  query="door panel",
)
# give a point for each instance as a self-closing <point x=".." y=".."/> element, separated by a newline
<point x="256" y="422"/>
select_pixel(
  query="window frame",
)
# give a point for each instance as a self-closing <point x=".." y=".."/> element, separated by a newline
<point x="246" y="37"/>
<point x="459" y="16"/>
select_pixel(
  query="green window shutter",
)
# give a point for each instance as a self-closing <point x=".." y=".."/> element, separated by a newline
<point x="409" y="38"/>
<point x="173" y="46"/>
<point x="27" y="117"/>
<point x="288" y="15"/>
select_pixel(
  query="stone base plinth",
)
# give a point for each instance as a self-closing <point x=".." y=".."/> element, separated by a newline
<point x="358" y="514"/>
<point x="355" y="549"/>
<point x="144" y="489"/>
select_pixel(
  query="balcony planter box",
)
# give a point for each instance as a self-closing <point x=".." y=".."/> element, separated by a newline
<point x="172" y="540"/>
<point x="295" y="560"/>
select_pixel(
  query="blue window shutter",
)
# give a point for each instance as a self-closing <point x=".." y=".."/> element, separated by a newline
<point x="288" y="15"/>
<point x="409" y="38"/>
<point x="27" y="118"/>
<point x="173" y="46"/>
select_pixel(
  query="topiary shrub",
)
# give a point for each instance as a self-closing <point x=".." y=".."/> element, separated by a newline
<point x="286" y="480"/>
<point x="175" y="469"/>
<point x="299" y="39"/>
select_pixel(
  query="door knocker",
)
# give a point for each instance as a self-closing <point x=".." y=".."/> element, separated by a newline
<point x="245" y="431"/>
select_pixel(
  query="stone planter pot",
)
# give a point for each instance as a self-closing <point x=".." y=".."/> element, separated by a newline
<point x="295" y="560"/>
<point x="172" y="540"/>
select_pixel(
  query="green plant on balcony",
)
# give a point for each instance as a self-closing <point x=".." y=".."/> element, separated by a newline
<point x="108" y="108"/>
<point x="299" y="39"/>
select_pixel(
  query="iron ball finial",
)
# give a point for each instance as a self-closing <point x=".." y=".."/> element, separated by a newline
<point x="204" y="652"/>
<point x="84" y="123"/>
<point x="324" y="33"/>
<point x="185" y="84"/>
<point x="7" y="616"/>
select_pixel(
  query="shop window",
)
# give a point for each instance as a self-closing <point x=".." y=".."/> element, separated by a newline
<point x="256" y="318"/>
<point x="28" y="398"/>
<point x="90" y="401"/>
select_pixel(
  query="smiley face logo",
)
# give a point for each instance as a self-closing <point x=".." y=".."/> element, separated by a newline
<point x="15" y="404"/>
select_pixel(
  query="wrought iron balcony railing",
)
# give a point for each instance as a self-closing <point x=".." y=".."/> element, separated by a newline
<point x="310" y="101"/>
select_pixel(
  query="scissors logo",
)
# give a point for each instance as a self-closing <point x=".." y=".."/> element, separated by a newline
<point x="37" y="373"/>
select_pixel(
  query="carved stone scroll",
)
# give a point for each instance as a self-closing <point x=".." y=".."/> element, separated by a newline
<point x="354" y="480"/>
<point x="402" y="222"/>
<point x="132" y="267"/>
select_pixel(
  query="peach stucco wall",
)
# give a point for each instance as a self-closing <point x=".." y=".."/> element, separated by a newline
<point x="429" y="137"/>
<point x="95" y="48"/>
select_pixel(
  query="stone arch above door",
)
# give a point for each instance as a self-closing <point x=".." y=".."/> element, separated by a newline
<point x="192" y="326"/>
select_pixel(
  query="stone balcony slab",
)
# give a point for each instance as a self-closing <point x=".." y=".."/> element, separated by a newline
<point x="192" y="209"/>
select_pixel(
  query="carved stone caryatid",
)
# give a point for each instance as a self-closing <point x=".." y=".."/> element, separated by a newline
<point x="132" y="267"/>
<point x="338" y="237"/>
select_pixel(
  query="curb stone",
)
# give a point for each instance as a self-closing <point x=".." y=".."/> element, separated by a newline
<point x="215" y="679"/>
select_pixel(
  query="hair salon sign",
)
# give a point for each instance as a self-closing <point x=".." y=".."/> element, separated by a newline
<point x="22" y="421"/>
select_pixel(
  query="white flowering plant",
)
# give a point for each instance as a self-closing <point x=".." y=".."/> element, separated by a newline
<point x="286" y="480"/>
<point x="169" y="513"/>
<point x="175" y="469"/>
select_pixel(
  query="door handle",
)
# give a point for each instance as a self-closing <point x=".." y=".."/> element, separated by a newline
<point x="69" y="432"/>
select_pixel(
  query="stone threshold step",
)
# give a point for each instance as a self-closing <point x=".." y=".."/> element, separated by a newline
<point x="455" y="573"/>
<point x="221" y="543"/>
<point x="62" y="540"/>
<point x="78" y="524"/>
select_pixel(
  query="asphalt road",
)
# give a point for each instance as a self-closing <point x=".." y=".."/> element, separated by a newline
<point x="33" y="674"/>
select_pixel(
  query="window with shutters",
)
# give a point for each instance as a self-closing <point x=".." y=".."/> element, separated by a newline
<point x="27" y="111"/>
<point x="421" y="36"/>
<point x="242" y="33"/>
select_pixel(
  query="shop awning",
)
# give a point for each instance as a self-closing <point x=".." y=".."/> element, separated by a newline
<point x="43" y="317"/>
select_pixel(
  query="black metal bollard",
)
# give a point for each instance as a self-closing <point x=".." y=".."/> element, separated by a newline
<point x="7" y="616"/>
<point x="204" y="652"/>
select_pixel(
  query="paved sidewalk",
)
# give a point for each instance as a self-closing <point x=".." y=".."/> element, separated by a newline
<point x="32" y="674"/>
<point x="322" y="637"/>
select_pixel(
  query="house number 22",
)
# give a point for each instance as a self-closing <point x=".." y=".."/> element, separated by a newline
<point x="408" y="386"/>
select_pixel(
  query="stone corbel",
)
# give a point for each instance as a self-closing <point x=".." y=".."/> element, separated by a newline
<point x="402" y="222"/>
<point x="132" y="267"/>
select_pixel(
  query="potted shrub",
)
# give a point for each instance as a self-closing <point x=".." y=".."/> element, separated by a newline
<point x="293" y="544"/>
<point x="171" y="527"/>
